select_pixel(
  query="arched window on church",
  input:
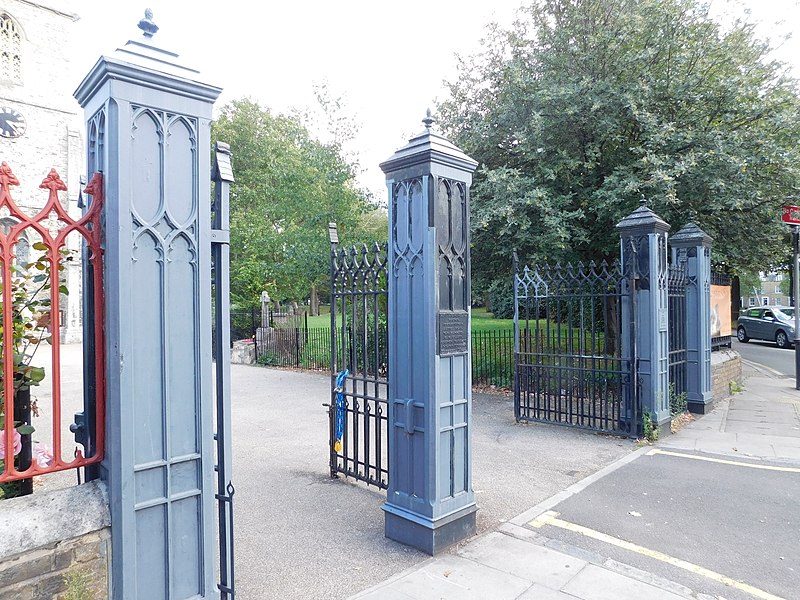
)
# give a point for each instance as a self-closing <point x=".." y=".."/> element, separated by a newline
<point x="10" y="50"/>
<point x="22" y="249"/>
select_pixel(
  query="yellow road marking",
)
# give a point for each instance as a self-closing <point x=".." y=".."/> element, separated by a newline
<point x="551" y="518"/>
<point x="724" y="462"/>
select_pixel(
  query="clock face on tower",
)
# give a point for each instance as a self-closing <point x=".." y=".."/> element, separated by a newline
<point x="12" y="123"/>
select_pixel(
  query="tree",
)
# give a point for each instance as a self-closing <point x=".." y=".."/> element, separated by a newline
<point x="288" y="187"/>
<point x="583" y="106"/>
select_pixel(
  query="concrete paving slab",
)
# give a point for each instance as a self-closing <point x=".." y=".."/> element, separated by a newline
<point x="787" y="452"/>
<point x="453" y="578"/>
<point x="385" y="593"/>
<point x="539" y="592"/>
<point x="762" y="416"/>
<point x="596" y="583"/>
<point x="748" y="437"/>
<point x="523" y="559"/>
<point x="765" y="429"/>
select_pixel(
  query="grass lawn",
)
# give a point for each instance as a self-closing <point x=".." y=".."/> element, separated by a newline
<point x="485" y="321"/>
<point x="320" y="321"/>
<point x="481" y="321"/>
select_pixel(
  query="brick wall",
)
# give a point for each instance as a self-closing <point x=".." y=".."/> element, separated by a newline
<point x="78" y="565"/>
<point x="56" y="545"/>
<point x="726" y="366"/>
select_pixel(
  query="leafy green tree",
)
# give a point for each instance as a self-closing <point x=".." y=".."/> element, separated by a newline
<point x="750" y="283"/>
<point x="584" y="106"/>
<point x="288" y="187"/>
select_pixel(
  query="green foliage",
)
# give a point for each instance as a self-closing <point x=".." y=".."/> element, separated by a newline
<point x="501" y="298"/>
<point x="77" y="582"/>
<point x="678" y="403"/>
<point x="30" y="325"/>
<point x="734" y="387"/>
<point x="288" y="187"/>
<point x="270" y="359"/>
<point x="649" y="429"/>
<point x="750" y="283"/>
<point x="585" y="105"/>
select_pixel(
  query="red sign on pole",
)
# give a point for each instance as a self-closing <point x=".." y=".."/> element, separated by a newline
<point x="791" y="215"/>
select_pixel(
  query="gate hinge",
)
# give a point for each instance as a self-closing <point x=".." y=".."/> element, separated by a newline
<point x="220" y="236"/>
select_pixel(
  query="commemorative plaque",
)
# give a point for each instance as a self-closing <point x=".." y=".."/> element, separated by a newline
<point x="453" y="333"/>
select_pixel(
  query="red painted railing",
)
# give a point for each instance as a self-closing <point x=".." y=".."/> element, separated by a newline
<point x="32" y="288"/>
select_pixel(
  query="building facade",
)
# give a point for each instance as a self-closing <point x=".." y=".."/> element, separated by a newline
<point x="40" y="127"/>
<point x="774" y="291"/>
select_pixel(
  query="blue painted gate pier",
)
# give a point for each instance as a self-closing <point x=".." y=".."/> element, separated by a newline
<point x="430" y="503"/>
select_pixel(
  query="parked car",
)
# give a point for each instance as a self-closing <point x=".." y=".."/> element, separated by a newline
<point x="771" y="323"/>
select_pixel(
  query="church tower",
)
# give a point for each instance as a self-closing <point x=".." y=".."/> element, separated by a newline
<point x="40" y="127"/>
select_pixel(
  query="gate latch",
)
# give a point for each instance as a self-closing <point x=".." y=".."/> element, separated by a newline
<point x="78" y="428"/>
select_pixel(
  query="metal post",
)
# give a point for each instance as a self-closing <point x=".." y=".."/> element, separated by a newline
<point x="333" y="235"/>
<point x="220" y="255"/>
<point x="515" y="269"/>
<point x="796" y="282"/>
<point x="634" y="408"/>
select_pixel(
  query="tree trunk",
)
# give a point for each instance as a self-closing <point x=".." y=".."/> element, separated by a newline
<point x="314" y="301"/>
<point x="736" y="301"/>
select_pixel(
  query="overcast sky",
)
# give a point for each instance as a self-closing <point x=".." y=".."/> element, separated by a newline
<point x="387" y="60"/>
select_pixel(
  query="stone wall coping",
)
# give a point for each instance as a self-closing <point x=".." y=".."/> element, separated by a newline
<point x="42" y="519"/>
<point x="723" y="355"/>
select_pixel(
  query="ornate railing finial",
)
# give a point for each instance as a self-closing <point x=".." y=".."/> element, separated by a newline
<point x="428" y="120"/>
<point x="147" y="24"/>
<point x="7" y="177"/>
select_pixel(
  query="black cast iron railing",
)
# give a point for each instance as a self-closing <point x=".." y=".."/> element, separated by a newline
<point x="569" y="364"/>
<point x="678" y="319"/>
<point x="359" y="418"/>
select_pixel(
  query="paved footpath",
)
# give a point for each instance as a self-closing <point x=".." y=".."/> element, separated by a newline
<point x="301" y="534"/>
<point x="712" y="512"/>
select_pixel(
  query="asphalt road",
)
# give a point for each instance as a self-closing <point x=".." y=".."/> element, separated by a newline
<point x="781" y="361"/>
<point x="732" y="519"/>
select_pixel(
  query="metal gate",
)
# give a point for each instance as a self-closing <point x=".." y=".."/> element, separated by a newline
<point x="358" y="411"/>
<point x="676" y="294"/>
<point x="569" y="366"/>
